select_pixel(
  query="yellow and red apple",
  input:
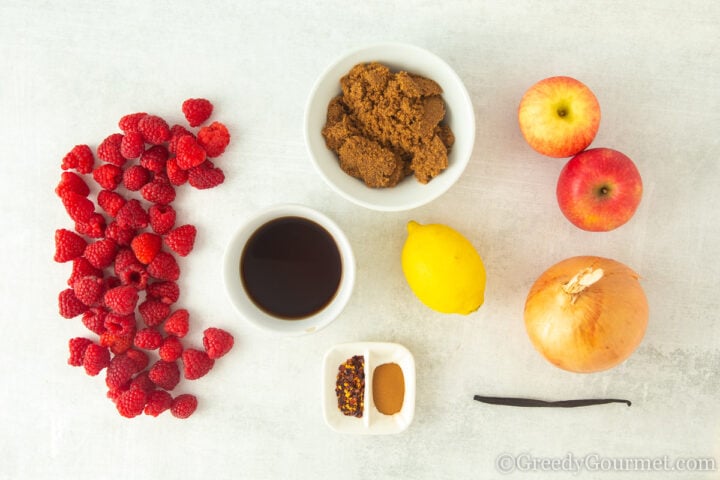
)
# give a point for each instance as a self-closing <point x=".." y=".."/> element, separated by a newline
<point x="559" y="116"/>
<point x="599" y="189"/>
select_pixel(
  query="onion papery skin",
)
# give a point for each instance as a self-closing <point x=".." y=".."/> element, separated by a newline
<point x="597" y="329"/>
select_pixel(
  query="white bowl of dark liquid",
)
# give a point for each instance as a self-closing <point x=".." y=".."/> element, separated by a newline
<point x="289" y="270"/>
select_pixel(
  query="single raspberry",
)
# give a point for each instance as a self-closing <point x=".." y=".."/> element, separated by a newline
<point x="178" y="323"/>
<point x="135" y="276"/>
<point x="69" y="305"/>
<point x="77" y="348"/>
<point x="72" y="182"/>
<point x="132" y="145"/>
<point x="166" y="292"/>
<point x="184" y="405"/>
<point x="132" y="215"/>
<point x="196" y="110"/>
<point x="121" y="300"/>
<point x="94" y="319"/>
<point x="154" y="129"/>
<point x="206" y="175"/>
<point x="108" y="176"/>
<point x="95" y="359"/>
<point x="93" y="228"/>
<point x="158" y="401"/>
<point x="148" y="339"/>
<point x="109" y="150"/>
<point x="196" y="363"/>
<point x="171" y="349"/>
<point x="214" y="139"/>
<point x="139" y="357"/>
<point x="135" y="177"/>
<point x="143" y="382"/>
<point x="111" y="202"/>
<point x="129" y="122"/>
<point x="176" y="132"/>
<point x="131" y="403"/>
<point x="153" y="312"/>
<point x="181" y="240"/>
<point x="217" y="342"/>
<point x="189" y="153"/>
<point x="124" y="259"/>
<point x="79" y="207"/>
<point x="164" y="267"/>
<point x="145" y="246"/>
<point x="165" y="375"/>
<point x="158" y="192"/>
<point x="101" y="253"/>
<point x="176" y="175"/>
<point x="79" y="158"/>
<point x="68" y="245"/>
<point x="154" y="158"/>
<point x="162" y="218"/>
<point x="121" y="236"/>
<point x="120" y="371"/>
<point x="89" y="290"/>
<point x="82" y="268"/>
<point x="117" y="343"/>
<point x="123" y="325"/>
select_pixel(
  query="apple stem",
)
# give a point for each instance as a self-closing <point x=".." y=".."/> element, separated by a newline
<point x="582" y="280"/>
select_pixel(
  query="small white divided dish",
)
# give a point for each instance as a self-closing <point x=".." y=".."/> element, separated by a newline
<point x="372" y="422"/>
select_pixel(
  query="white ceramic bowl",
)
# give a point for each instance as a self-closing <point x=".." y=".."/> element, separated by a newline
<point x="251" y="312"/>
<point x="409" y="193"/>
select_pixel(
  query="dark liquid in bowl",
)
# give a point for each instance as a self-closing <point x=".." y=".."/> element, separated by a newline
<point x="291" y="268"/>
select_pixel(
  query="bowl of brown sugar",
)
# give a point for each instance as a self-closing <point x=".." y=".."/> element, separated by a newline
<point x="390" y="127"/>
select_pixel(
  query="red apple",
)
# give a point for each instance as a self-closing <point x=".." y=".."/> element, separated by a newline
<point x="599" y="189"/>
<point x="559" y="116"/>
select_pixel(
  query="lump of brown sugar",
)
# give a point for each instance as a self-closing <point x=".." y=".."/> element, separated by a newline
<point x="387" y="125"/>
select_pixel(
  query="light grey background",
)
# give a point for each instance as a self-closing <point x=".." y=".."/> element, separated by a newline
<point x="70" y="70"/>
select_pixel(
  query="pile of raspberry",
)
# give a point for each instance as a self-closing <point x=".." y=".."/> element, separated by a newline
<point x="124" y="267"/>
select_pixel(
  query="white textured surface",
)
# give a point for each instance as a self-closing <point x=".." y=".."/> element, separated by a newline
<point x="71" y="69"/>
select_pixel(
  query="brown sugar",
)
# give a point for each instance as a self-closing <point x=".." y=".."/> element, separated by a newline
<point x="386" y="126"/>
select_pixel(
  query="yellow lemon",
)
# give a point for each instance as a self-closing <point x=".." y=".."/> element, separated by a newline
<point x="443" y="269"/>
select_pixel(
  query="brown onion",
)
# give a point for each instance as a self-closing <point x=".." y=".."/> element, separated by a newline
<point x="586" y="314"/>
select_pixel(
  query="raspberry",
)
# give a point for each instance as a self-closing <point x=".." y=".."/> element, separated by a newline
<point x="132" y="145"/>
<point x="77" y="348"/>
<point x="95" y="359"/>
<point x="69" y="305"/>
<point x="166" y="292"/>
<point x="139" y="357"/>
<point x="157" y="402"/>
<point x="72" y="182"/>
<point x="109" y="150"/>
<point x="121" y="236"/>
<point x="162" y="218"/>
<point x="206" y="175"/>
<point x="79" y="158"/>
<point x="154" y="129"/>
<point x="214" y="139"/>
<point x="117" y="343"/>
<point x="176" y="175"/>
<point x="189" y="153"/>
<point x="94" y="320"/>
<point x="143" y="382"/>
<point x="154" y="158"/>
<point x="164" y="267"/>
<point x="120" y="371"/>
<point x="183" y="405"/>
<point x="89" y="290"/>
<point x="178" y="323"/>
<point x="125" y="259"/>
<point x="165" y="375"/>
<point x="135" y="276"/>
<point x="217" y="342"/>
<point x="82" y="268"/>
<point x="158" y="192"/>
<point x="108" y="176"/>
<point x="135" y="177"/>
<point x="79" y="207"/>
<point x="101" y="253"/>
<point x="132" y="215"/>
<point x="131" y="402"/>
<point x="153" y="312"/>
<point x="171" y="349"/>
<point x="148" y="339"/>
<point x="176" y="132"/>
<point x="145" y="246"/>
<point x="121" y="300"/>
<point x="93" y="228"/>
<point x="196" y="363"/>
<point x="129" y="123"/>
<point x="196" y="110"/>
<point x="181" y="240"/>
<point x="68" y="245"/>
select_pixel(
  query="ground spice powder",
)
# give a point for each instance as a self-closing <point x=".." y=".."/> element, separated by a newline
<point x="388" y="385"/>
